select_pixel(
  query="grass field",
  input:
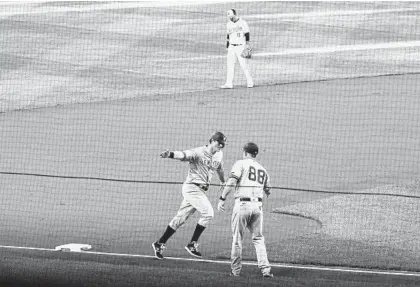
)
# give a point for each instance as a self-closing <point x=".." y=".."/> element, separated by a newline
<point x="89" y="98"/>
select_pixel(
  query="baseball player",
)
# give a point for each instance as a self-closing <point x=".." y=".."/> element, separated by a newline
<point x="250" y="181"/>
<point x="203" y="162"/>
<point x="237" y="40"/>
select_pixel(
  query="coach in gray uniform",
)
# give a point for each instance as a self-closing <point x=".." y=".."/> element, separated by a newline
<point x="250" y="181"/>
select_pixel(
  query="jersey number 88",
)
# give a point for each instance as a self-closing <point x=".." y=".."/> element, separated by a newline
<point x="256" y="175"/>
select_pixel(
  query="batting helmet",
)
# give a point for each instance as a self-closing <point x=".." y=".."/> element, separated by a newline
<point x="219" y="137"/>
<point x="251" y="148"/>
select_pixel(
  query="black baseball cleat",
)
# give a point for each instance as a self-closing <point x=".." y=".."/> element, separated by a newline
<point x="233" y="274"/>
<point x="192" y="249"/>
<point x="158" y="248"/>
<point x="268" y="275"/>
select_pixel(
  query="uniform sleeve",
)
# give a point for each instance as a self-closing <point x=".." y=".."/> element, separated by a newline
<point x="236" y="171"/>
<point x="189" y="155"/>
<point x="245" y="28"/>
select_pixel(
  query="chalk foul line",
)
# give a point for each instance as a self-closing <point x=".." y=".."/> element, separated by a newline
<point x="278" y="265"/>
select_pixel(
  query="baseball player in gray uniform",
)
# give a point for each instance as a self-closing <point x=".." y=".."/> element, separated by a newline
<point x="203" y="162"/>
<point x="250" y="181"/>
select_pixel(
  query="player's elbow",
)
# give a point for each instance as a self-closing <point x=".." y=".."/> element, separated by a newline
<point x="180" y="155"/>
<point x="231" y="182"/>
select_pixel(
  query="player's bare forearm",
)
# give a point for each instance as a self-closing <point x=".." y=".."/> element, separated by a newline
<point x="231" y="183"/>
<point x="221" y="174"/>
<point x="173" y="154"/>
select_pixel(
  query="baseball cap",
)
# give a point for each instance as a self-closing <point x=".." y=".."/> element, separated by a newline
<point x="251" y="148"/>
<point x="231" y="12"/>
<point x="219" y="137"/>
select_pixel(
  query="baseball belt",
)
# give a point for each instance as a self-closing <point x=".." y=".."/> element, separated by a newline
<point x="204" y="187"/>
<point x="250" y="199"/>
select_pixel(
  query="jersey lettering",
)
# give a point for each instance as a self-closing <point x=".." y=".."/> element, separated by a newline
<point x="210" y="163"/>
<point x="237" y="31"/>
<point x="202" y="165"/>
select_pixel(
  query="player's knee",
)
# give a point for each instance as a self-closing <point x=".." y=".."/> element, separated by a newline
<point x="205" y="220"/>
<point x="209" y="216"/>
<point x="210" y="213"/>
<point x="206" y="216"/>
<point x="176" y="223"/>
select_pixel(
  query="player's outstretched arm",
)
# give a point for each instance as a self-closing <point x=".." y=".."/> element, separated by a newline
<point x="173" y="154"/>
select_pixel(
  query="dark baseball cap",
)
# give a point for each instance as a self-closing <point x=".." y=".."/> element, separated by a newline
<point x="219" y="137"/>
<point x="251" y="148"/>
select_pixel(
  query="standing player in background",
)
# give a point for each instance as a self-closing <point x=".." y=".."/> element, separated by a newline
<point x="237" y="40"/>
<point x="203" y="162"/>
<point x="250" y="181"/>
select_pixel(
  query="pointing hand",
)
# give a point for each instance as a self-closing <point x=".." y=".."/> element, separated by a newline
<point x="165" y="154"/>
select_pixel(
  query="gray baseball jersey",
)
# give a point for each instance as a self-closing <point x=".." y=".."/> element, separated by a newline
<point x="252" y="178"/>
<point x="202" y="167"/>
<point x="202" y="164"/>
